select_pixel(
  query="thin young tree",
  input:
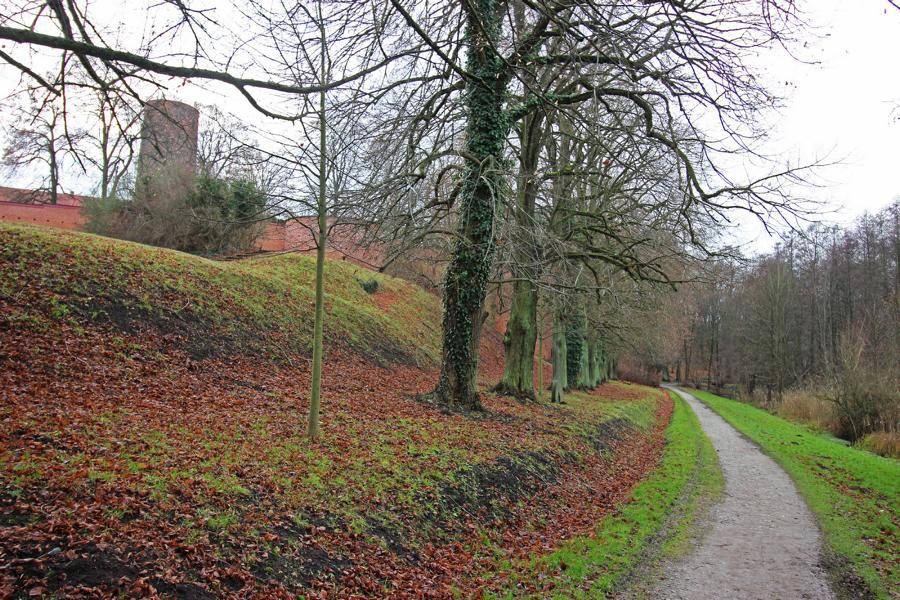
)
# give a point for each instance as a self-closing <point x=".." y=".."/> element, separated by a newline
<point x="322" y="239"/>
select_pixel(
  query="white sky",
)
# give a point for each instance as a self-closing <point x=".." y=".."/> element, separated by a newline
<point x="845" y="107"/>
<point x="842" y="105"/>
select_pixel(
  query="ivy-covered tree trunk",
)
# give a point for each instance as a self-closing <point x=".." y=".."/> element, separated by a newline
<point x="558" y="359"/>
<point x="473" y="251"/>
<point x="584" y="367"/>
<point x="521" y="331"/>
<point x="574" y="345"/>
<point x="592" y="363"/>
<point x="584" y="370"/>
<point x="604" y="362"/>
<point x="519" y="342"/>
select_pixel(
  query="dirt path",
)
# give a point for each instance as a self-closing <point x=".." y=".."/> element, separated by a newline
<point x="762" y="542"/>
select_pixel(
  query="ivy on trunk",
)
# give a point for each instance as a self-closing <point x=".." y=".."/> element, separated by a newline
<point x="519" y="341"/>
<point x="559" y="358"/>
<point x="575" y="343"/>
<point x="521" y="331"/>
<point x="487" y="126"/>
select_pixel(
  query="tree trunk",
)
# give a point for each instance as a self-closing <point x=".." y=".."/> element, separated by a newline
<point x="540" y="358"/>
<point x="53" y="158"/>
<point x="54" y="173"/>
<point x="602" y="371"/>
<point x="521" y="331"/>
<point x="519" y="342"/>
<point x="104" y="154"/>
<point x="473" y="251"/>
<point x="596" y="362"/>
<point x="688" y="352"/>
<point x="584" y="369"/>
<point x="574" y="345"/>
<point x="319" y="326"/>
<point x="560" y="370"/>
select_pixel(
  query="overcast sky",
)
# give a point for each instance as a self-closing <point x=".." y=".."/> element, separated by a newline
<point x="842" y="105"/>
<point x="845" y="107"/>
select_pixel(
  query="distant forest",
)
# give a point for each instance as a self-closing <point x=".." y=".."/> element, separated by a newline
<point x="821" y="311"/>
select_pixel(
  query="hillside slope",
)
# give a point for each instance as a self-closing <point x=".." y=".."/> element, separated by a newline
<point x="151" y="436"/>
<point x="260" y="306"/>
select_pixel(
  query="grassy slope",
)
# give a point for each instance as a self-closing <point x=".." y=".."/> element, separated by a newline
<point x="657" y="522"/>
<point x="264" y="305"/>
<point x="854" y="494"/>
<point x="152" y="418"/>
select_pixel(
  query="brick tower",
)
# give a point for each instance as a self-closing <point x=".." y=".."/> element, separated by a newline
<point x="167" y="162"/>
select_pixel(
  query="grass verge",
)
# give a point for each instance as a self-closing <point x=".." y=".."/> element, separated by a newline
<point x="854" y="494"/>
<point x="657" y="521"/>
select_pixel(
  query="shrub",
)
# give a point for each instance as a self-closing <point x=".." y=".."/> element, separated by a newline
<point x="865" y="397"/>
<point x="637" y="373"/>
<point x="885" y="443"/>
<point x="369" y="285"/>
<point x="868" y="416"/>
<point x="863" y="403"/>
<point x="209" y="216"/>
<point x="806" y="405"/>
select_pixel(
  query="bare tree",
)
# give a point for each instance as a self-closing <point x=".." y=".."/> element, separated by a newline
<point x="41" y="143"/>
<point x="443" y="87"/>
<point x="114" y="142"/>
<point x="652" y="68"/>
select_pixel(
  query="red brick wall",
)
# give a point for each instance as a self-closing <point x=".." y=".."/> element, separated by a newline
<point x="343" y="243"/>
<point x="48" y="215"/>
<point x="25" y="206"/>
<point x="20" y="196"/>
<point x="272" y="239"/>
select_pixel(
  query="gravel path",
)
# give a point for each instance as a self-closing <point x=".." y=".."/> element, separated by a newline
<point x="762" y="542"/>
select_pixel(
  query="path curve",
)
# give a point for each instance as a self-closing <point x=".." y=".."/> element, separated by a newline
<point x="762" y="542"/>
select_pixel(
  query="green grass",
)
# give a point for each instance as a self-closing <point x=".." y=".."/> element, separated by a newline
<point x="854" y="494"/>
<point x="657" y="521"/>
<point x="63" y="276"/>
